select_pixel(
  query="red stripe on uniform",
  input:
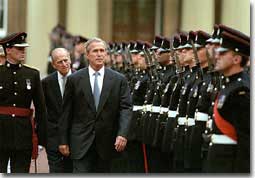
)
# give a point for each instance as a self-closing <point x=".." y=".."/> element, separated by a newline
<point x="224" y="126"/>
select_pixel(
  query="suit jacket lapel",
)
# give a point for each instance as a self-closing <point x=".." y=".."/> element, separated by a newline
<point x="107" y="84"/>
<point x="56" y="89"/>
<point x="85" y="83"/>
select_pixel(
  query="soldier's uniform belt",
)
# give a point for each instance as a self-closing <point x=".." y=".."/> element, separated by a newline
<point x="222" y="139"/>
<point x="182" y="120"/>
<point x="147" y="107"/>
<point x="163" y="110"/>
<point x="190" y="121"/>
<point x="137" y="108"/>
<point x="15" y="111"/>
<point x="200" y="116"/>
<point x="172" y="113"/>
<point x="155" y="109"/>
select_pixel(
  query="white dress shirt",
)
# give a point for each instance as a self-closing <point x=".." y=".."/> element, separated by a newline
<point x="60" y="81"/>
<point x="100" y="78"/>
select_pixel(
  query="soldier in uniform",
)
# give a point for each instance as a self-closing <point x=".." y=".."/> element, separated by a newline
<point x="194" y="128"/>
<point x="55" y="42"/>
<point x="19" y="86"/>
<point x="79" y="61"/>
<point x="229" y="149"/>
<point x="166" y="70"/>
<point x="189" y="78"/>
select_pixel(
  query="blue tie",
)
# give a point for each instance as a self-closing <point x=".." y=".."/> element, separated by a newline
<point x="96" y="90"/>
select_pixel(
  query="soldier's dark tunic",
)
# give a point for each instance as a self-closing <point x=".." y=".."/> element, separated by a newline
<point x="157" y="160"/>
<point x="190" y="115"/>
<point x="182" y="107"/>
<point x="229" y="150"/>
<point x="19" y="86"/>
<point x="132" y="157"/>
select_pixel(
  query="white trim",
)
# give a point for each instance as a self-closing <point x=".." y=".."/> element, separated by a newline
<point x="163" y="109"/>
<point x="191" y="121"/>
<point x="155" y="109"/>
<point x="200" y="116"/>
<point x="222" y="139"/>
<point x="137" y="108"/>
<point x="182" y="120"/>
<point x="147" y="107"/>
<point x="172" y="113"/>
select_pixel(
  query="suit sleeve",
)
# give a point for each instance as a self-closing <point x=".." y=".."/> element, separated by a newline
<point x="65" y="119"/>
<point x="40" y="111"/>
<point x="125" y="108"/>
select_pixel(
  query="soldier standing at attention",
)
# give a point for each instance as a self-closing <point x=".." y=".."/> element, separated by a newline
<point x="229" y="150"/>
<point x="19" y="87"/>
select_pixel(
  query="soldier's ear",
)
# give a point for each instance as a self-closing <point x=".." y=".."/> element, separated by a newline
<point x="237" y="59"/>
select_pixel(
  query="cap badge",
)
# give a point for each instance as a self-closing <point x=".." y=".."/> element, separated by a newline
<point x="221" y="101"/>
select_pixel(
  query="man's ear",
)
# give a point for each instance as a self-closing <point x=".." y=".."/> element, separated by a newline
<point x="237" y="59"/>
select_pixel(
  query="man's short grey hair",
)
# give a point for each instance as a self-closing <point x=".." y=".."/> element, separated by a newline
<point x="94" y="39"/>
<point x="57" y="50"/>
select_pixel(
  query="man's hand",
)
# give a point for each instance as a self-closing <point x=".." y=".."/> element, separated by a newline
<point x="120" y="143"/>
<point x="64" y="150"/>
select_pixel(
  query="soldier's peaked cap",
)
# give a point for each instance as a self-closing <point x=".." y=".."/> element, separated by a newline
<point x="213" y="38"/>
<point x="224" y="28"/>
<point x="184" y="39"/>
<point x="14" y="39"/>
<point x="238" y="43"/>
<point x="201" y="38"/>
<point x="79" y="39"/>
<point x="165" y="47"/>
<point x="191" y="38"/>
<point x="176" y="41"/>
<point x="157" y="42"/>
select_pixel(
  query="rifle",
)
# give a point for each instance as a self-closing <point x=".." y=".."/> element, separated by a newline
<point x="154" y="64"/>
<point x="197" y="59"/>
<point x="210" y="61"/>
<point x="179" y="69"/>
<point x="148" y="62"/>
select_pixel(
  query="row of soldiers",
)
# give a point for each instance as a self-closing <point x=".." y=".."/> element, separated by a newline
<point x="190" y="102"/>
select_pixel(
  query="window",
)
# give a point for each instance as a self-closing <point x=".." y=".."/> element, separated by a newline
<point x="133" y="20"/>
<point x="3" y="18"/>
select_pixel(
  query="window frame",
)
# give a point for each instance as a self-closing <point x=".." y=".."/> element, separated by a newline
<point x="3" y="29"/>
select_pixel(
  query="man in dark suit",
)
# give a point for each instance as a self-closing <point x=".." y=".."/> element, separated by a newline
<point x="96" y="113"/>
<point x="53" y="87"/>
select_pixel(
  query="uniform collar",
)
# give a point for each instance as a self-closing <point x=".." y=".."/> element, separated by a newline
<point x="235" y="77"/>
<point x="12" y="66"/>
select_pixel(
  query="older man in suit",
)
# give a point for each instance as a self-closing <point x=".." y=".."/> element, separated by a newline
<point x="53" y="87"/>
<point x="96" y="113"/>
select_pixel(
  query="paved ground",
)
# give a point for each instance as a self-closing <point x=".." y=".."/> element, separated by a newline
<point x="41" y="162"/>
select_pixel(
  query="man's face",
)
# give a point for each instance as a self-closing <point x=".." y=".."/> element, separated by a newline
<point x="96" y="53"/>
<point x="141" y="62"/>
<point x="201" y="53"/>
<point x="188" y="55"/>
<point x="62" y="62"/>
<point x="180" y="57"/>
<point x="16" y="54"/>
<point x="211" y="49"/>
<point x="163" y="58"/>
<point x="135" y="58"/>
<point x="224" y="61"/>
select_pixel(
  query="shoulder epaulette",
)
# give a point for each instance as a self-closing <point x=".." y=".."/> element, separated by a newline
<point x="31" y="67"/>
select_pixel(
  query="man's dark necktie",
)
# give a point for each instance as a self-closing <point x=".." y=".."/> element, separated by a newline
<point x="96" y="92"/>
